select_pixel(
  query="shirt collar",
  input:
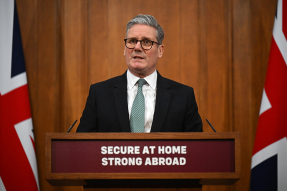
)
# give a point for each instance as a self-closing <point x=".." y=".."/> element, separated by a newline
<point x="151" y="79"/>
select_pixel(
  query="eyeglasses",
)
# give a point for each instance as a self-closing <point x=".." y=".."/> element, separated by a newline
<point x="145" y="43"/>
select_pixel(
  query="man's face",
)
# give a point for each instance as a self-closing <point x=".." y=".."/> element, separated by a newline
<point x="142" y="62"/>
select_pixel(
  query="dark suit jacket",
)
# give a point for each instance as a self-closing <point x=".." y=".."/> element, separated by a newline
<point x="107" y="108"/>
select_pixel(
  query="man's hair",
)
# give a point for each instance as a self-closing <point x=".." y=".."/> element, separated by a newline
<point x="147" y="20"/>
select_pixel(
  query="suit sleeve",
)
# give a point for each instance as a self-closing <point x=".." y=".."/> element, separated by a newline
<point x="192" y="121"/>
<point x="88" y="122"/>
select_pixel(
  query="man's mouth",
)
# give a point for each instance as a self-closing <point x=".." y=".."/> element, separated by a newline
<point x="138" y="57"/>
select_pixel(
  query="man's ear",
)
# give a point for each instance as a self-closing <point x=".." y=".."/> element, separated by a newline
<point x="160" y="50"/>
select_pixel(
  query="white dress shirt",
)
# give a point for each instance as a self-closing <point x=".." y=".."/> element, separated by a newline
<point x="149" y="92"/>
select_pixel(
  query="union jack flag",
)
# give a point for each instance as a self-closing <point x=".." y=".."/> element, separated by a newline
<point x="18" y="167"/>
<point x="269" y="160"/>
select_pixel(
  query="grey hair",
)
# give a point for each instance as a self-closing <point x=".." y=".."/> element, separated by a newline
<point x="147" y="20"/>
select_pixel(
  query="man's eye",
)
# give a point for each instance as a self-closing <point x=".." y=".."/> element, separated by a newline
<point x="132" y="41"/>
<point x="146" y="41"/>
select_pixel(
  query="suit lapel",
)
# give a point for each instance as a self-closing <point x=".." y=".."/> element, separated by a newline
<point x="120" y="97"/>
<point x="162" y="103"/>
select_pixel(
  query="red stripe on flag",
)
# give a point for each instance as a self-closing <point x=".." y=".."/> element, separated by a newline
<point x="16" y="172"/>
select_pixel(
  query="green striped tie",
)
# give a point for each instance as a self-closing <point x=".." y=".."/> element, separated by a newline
<point x="138" y="110"/>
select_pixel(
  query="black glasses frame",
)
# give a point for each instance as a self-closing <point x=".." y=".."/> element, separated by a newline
<point x="152" y="42"/>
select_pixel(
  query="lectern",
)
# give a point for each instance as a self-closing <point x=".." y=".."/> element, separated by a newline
<point x="142" y="160"/>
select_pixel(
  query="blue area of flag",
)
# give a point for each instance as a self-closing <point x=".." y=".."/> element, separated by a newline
<point x="264" y="176"/>
<point x="18" y="63"/>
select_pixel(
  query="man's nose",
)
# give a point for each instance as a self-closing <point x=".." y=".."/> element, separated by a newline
<point x="138" y="46"/>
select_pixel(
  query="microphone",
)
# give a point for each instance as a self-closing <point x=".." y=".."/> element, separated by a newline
<point x="210" y="125"/>
<point x="72" y="126"/>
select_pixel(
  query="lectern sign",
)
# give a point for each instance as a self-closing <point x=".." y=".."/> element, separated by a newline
<point x="142" y="156"/>
<point x="132" y="161"/>
<point x="142" y="160"/>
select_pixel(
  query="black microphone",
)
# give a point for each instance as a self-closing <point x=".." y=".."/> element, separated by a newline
<point x="72" y="126"/>
<point x="210" y="125"/>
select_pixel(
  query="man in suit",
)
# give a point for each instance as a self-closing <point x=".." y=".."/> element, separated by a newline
<point x="141" y="100"/>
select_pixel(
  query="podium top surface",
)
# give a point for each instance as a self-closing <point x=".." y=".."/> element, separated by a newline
<point x="171" y="135"/>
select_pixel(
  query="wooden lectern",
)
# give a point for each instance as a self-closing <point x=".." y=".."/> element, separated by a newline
<point x="134" y="161"/>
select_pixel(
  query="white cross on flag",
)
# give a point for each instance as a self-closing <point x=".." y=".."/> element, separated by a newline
<point x="18" y="167"/>
<point x="269" y="160"/>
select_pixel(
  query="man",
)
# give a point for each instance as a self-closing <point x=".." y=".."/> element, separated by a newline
<point x="141" y="100"/>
